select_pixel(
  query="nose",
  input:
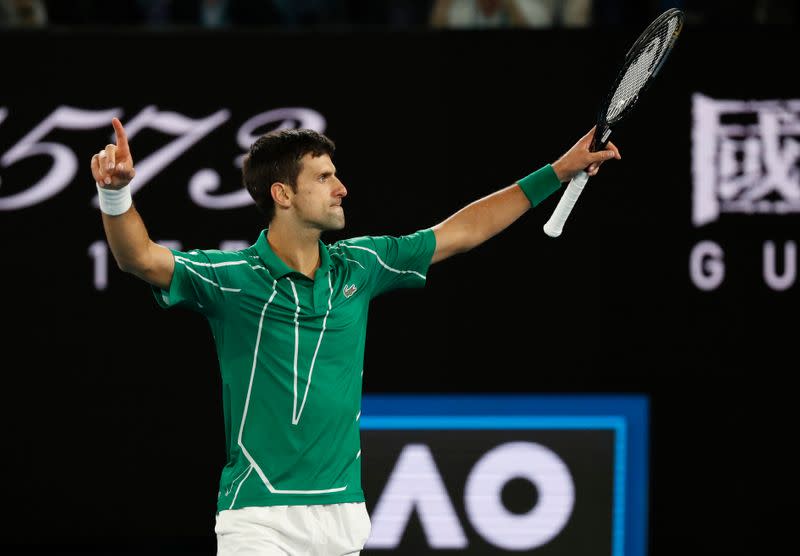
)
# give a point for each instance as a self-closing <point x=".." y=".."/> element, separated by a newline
<point x="341" y="190"/>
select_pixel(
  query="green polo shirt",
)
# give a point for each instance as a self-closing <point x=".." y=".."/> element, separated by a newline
<point x="291" y="354"/>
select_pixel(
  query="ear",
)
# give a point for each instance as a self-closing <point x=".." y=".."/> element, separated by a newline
<point x="281" y="194"/>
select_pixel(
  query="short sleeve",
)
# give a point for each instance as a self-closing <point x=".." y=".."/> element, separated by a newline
<point x="200" y="282"/>
<point x="397" y="262"/>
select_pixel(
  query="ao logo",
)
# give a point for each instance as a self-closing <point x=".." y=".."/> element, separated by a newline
<point x="415" y="484"/>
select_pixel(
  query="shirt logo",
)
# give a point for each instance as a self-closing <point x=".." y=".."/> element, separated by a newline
<point x="349" y="290"/>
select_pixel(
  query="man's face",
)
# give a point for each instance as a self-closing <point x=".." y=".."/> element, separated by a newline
<point x="318" y="201"/>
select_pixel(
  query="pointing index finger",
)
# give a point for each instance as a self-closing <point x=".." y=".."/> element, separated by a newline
<point x="122" y="138"/>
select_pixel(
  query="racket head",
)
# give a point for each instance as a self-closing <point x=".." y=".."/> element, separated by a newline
<point x="642" y="63"/>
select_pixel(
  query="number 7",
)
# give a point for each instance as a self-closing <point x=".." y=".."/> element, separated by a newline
<point x="188" y="130"/>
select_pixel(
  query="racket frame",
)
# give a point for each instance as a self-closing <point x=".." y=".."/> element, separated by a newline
<point x="554" y="226"/>
<point x="604" y="127"/>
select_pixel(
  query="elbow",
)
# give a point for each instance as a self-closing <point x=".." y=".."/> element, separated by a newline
<point x="461" y="249"/>
<point x="137" y="267"/>
<point x="138" y="261"/>
<point x="447" y="252"/>
<point x="123" y="265"/>
<point x="466" y="243"/>
<point x="451" y="242"/>
<point x="133" y="269"/>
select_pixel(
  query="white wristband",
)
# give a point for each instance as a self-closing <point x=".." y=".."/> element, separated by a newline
<point x="114" y="201"/>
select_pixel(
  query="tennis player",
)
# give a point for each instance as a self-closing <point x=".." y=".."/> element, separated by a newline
<point x="289" y="317"/>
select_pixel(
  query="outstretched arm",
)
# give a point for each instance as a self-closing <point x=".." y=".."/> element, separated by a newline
<point x="112" y="169"/>
<point x="487" y="217"/>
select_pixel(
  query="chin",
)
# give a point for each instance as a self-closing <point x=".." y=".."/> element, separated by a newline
<point x="333" y="225"/>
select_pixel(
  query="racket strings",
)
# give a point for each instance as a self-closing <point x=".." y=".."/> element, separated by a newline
<point x="646" y="61"/>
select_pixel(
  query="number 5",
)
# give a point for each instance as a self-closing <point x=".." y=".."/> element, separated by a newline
<point x="65" y="163"/>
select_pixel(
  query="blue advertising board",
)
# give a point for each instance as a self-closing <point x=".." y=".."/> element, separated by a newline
<point x="450" y="459"/>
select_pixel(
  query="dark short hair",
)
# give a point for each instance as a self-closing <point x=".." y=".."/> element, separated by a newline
<point x="275" y="157"/>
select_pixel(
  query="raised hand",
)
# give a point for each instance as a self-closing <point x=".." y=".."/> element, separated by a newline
<point x="112" y="167"/>
<point x="579" y="157"/>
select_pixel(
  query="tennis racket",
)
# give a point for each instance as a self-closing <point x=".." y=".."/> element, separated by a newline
<point x="642" y="63"/>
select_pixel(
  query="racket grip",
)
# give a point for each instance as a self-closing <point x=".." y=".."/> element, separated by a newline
<point x="555" y="225"/>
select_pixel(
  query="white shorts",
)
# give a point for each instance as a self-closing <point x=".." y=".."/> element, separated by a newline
<point x="317" y="530"/>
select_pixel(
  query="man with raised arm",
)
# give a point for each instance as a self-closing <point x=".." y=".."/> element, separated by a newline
<point x="288" y="316"/>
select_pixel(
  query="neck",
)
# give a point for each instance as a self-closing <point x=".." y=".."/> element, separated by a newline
<point x="298" y="248"/>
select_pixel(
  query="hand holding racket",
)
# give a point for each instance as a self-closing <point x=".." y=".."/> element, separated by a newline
<point x="642" y="63"/>
<point x="580" y="158"/>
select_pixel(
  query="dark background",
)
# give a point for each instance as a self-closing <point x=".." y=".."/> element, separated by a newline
<point x="112" y="415"/>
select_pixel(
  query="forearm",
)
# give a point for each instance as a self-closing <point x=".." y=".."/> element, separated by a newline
<point x="112" y="170"/>
<point x="128" y="239"/>
<point x="483" y="219"/>
<point x="492" y="214"/>
<point x="487" y="217"/>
